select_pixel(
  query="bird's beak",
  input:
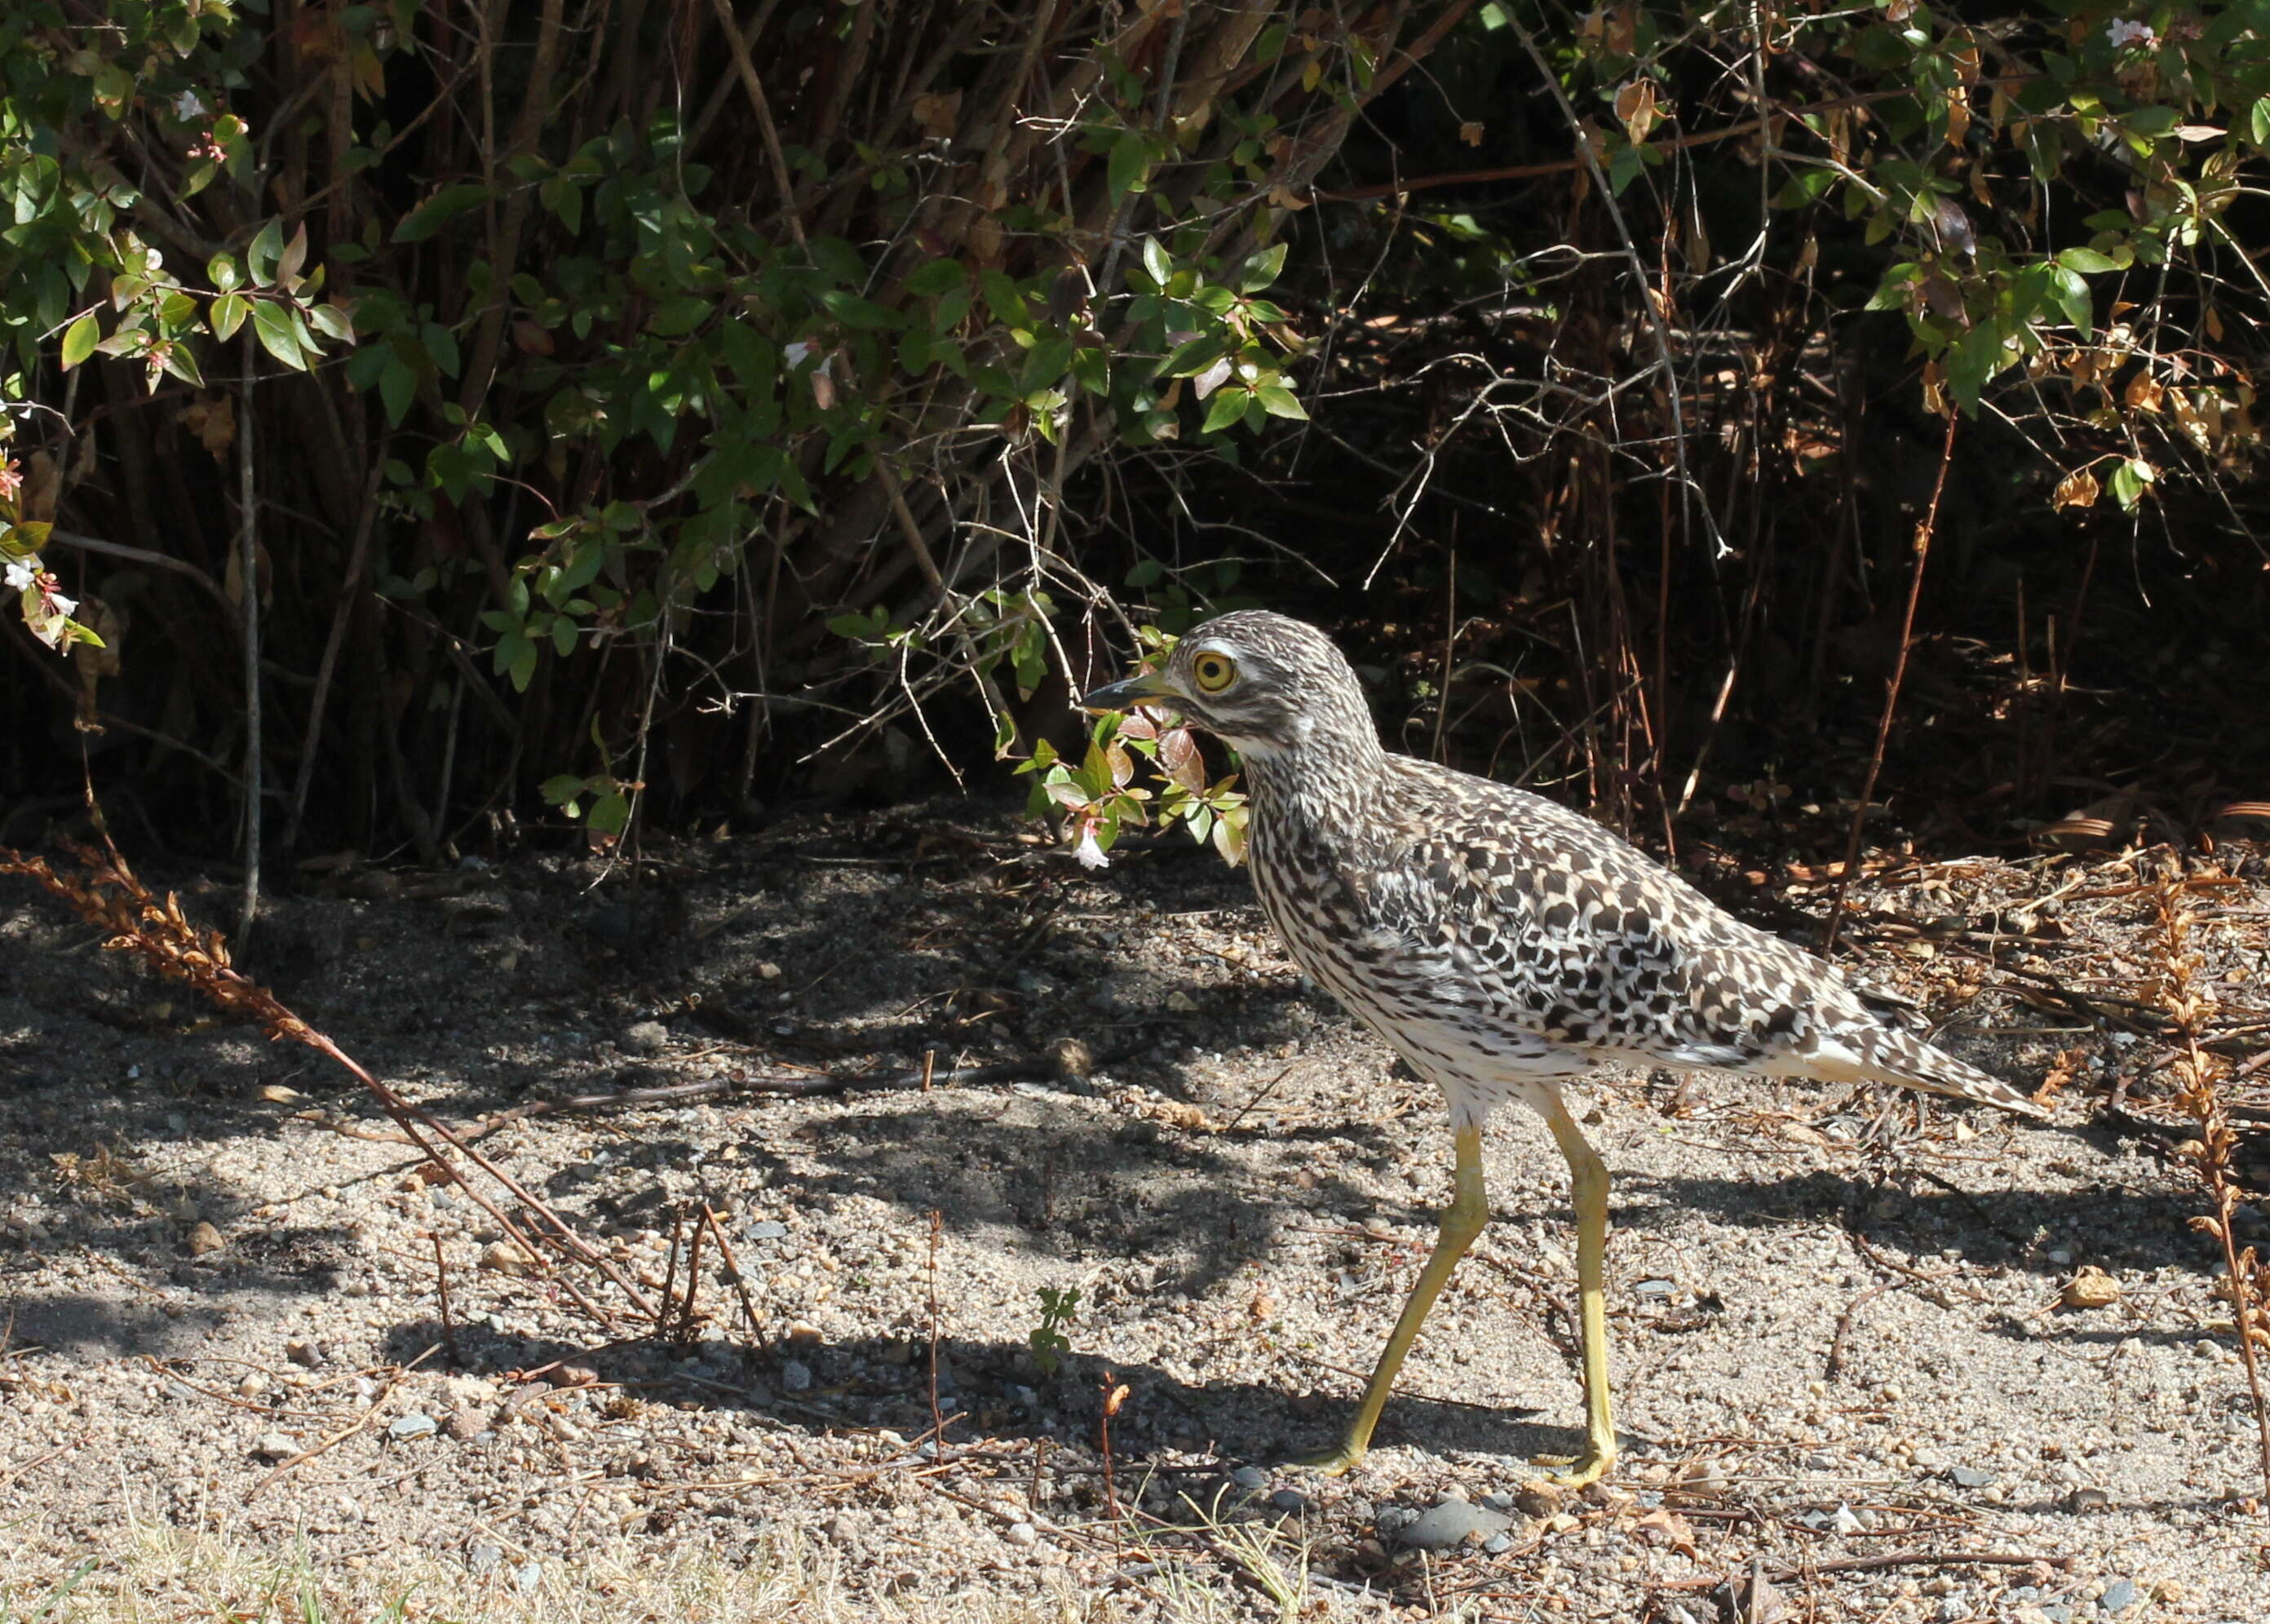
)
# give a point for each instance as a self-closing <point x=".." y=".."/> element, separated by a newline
<point x="1128" y="694"/>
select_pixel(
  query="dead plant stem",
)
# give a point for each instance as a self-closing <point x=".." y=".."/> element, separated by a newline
<point x="1892" y="690"/>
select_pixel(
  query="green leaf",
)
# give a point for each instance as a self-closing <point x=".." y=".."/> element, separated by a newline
<point x="2127" y="488"/>
<point x="272" y="325"/>
<point x="1228" y="406"/>
<point x="397" y="388"/>
<point x="1972" y="362"/>
<point x="1005" y="300"/>
<point x="1278" y="402"/>
<point x="853" y="311"/>
<point x="267" y="248"/>
<point x="1156" y="262"/>
<point x="2258" y="122"/>
<point x="1130" y="163"/>
<point x="2072" y="295"/>
<point x="438" y="210"/>
<point x="559" y="790"/>
<point x="221" y="270"/>
<point x="80" y="338"/>
<point x="180" y="361"/>
<point x="1624" y="165"/>
<point x="2088" y="262"/>
<point x="940" y="276"/>
<point x="333" y="322"/>
<point x="610" y="814"/>
<point x="1262" y="270"/>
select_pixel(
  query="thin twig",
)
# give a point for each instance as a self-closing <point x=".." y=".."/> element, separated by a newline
<point x="1892" y="693"/>
<point x="937" y="1417"/>
<point x="442" y="1289"/>
<point x="733" y="1274"/>
<point x="247" y="564"/>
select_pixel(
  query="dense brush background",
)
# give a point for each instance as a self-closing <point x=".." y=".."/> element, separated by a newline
<point x="637" y="412"/>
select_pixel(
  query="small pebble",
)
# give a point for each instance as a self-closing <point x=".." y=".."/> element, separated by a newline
<point x="1291" y="1502"/>
<point x="1023" y="1535"/>
<point x="482" y="1559"/>
<point x="796" y="1375"/>
<point x="2118" y="1595"/>
<point x="276" y="1446"/>
<point x="204" y="1238"/>
<point x="1497" y="1544"/>
<point x="1250" y="1478"/>
<point x="647" y="1037"/>
<point x="416" y="1423"/>
<point x="766" y="1229"/>
<point x="1970" y="1477"/>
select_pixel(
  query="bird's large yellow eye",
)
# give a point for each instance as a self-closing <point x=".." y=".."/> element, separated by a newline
<point x="1213" y="672"/>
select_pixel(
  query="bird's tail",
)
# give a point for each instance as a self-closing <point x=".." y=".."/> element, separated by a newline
<point x="1889" y="1053"/>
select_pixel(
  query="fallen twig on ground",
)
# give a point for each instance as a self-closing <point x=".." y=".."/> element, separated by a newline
<point x="109" y="895"/>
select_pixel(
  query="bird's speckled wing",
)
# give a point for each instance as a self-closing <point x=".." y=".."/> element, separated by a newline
<point x="1493" y="911"/>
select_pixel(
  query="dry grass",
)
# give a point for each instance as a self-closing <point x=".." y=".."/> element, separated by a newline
<point x="154" y="1572"/>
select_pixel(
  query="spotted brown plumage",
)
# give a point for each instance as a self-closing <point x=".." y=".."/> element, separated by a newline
<point x="1502" y="943"/>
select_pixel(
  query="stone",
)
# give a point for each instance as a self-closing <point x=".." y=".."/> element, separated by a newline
<point x="1291" y="1502"/>
<point x="504" y="1258"/>
<point x="766" y="1229"/>
<point x="647" y="1037"/>
<point x="796" y="1375"/>
<point x="2091" y="1288"/>
<point x="1024" y="1535"/>
<point x="1970" y="1477"/>
<point x="1071" y="1060"/>
<point x="276" y="1446"/>
<point x="2119" y="1595"/>
<point x="1539" y="1498"/>
<point x="1450" y="1524"/>
<point x="416" y="1423"/>
<point x="204" y="1238"/>
<point x="1252" y="1479"/>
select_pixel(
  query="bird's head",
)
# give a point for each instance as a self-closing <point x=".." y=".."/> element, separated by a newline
<point x="1264" y="684"/>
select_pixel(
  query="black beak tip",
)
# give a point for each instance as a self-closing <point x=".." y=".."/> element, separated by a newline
<point x="1118" y="695"/>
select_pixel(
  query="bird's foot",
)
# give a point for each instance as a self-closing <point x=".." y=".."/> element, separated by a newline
<point x="1332" y="1462"/>
<point x="1575" y="1472"/>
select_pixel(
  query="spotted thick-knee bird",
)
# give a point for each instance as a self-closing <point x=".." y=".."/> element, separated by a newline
<point x="1501" y="945"/>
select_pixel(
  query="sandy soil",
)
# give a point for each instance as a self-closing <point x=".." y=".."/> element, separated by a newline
<point x="220" y="1262"/>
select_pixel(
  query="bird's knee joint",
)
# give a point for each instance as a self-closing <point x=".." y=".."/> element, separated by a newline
<point x="1464" y="1219"/>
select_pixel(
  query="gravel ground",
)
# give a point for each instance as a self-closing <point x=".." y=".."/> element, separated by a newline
<point x="1847" y="1349"/>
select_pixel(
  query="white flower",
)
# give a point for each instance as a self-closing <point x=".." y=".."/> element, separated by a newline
<point x="1088" y="853"/>
<point x="2123" y="34"/>
<point x="187" y="106"/>
<point x="61" y="605"/>
<point x="22" y="573"/>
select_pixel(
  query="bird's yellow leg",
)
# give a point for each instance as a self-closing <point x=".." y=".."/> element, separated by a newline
<point x="1588" y="1193"/>
<point x="1461" y="1220"/>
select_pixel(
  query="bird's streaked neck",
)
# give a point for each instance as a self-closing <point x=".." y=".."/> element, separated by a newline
<point x="1320" y="764"/>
